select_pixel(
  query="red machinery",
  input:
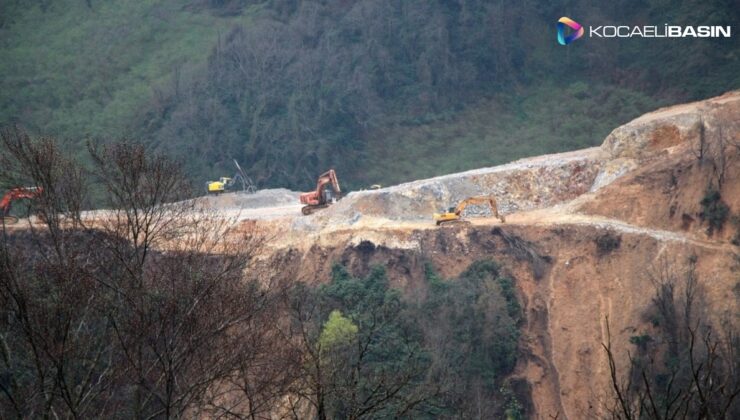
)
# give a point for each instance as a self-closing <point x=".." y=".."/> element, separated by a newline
<point x="16" y="194"/>
<point x="327" y="192"/>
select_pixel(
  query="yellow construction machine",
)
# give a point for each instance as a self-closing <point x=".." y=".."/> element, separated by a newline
<point x="228" y="184"/>
<point x="454" y="214"/>
<point x="222" y="185"/>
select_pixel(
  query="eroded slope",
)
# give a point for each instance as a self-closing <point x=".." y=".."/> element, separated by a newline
<point x="643" y="187"/>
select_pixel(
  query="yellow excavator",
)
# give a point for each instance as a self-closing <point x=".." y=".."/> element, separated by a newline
<point x="454" y="214"/>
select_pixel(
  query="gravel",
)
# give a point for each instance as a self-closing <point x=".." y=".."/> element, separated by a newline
<point x="263" y="198"/>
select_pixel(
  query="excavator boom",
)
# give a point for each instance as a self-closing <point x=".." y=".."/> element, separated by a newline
<point x="472" y="201"/>
<point x="327" y="192"/>
<point x="456" y="213"/>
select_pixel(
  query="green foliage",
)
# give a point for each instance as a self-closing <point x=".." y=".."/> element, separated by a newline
<point x="501" y="129"/>
<point x="641" y="341"/>
<point x="436" y="284"/>
<point x="443" y="357"/>
<point x="714" y="211"/>
<point x="384" y="91"/>
<point x="73" y="70"/>
<point x="373" y="359"/>
<point x="473" y="327"/>
<point x="362" y="296"/>
<point x="337" y="331"/>
<point x="513" y="409"/>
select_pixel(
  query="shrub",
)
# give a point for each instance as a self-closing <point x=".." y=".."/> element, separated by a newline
<point x="736" y="221"/>
<point x="338" y="330"/>
<point x="714" y="210"/>
<point x="607" y="243"/>
<point x="641" y="341"/>
<point x="472" y="323"/>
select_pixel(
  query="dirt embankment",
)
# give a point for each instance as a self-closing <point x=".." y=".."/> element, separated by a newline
<point x="642" y="188"/>
<point x="567" y="285"/>
<point x="678" y="154"/>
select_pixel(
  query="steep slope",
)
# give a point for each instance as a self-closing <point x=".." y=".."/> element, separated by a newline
<point x="589" y="236"/>
<point x="635" y="190"/>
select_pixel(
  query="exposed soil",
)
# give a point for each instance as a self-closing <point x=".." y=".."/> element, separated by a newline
<point x="642" y="189"/>
<point x="584" y="231"/>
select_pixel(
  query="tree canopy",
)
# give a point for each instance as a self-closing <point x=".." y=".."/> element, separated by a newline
<point x="383" y="91"/>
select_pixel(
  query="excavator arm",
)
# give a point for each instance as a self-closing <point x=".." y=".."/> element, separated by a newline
<point x="478" y="200"/>
<point x="327" y="191"/>
<point x="14" y="194"/>
<point x="328" y="179"/>
<point x="456" y="213"/>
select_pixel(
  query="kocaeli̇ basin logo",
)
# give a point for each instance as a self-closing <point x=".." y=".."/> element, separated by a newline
<point x="572" y="24"/>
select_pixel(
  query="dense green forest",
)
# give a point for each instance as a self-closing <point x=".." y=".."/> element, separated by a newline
<point x="383" y="90"/>
<point x="377" y="354"/>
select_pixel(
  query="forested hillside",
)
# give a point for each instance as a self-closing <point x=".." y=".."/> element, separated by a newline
<point x="382" y="90"/>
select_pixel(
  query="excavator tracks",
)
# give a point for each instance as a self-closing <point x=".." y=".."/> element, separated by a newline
<point x="307" y="210"/>
<point x="452" y="223"/>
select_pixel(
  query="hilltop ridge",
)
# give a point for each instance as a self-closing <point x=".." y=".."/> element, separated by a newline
<point x="585" y="234"/>
<point x="642" y="189"/>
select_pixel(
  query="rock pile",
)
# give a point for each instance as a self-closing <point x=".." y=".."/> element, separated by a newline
<point x="521" y="185"/>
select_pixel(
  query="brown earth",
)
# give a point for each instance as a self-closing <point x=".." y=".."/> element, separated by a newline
<point x="642" y="186"/>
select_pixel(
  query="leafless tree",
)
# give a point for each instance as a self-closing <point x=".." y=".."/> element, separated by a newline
<point x="696" y="377"/>
<point x="700" y="149"/>
<point x="716" y="147"/>
<point x="41" y="163"/>
<point x="139" y="310"/>
<point x="56" y="348"/>
<point x="721" y="156"/>
<point x="57" y="352"/>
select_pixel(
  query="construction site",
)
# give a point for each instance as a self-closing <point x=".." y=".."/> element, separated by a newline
<point x="643" y="186"/>
<point x="369" y="210"/>
<point x="580" y="231"/>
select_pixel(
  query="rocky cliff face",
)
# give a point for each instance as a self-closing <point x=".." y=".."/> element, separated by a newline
<point x="642" y="187"/>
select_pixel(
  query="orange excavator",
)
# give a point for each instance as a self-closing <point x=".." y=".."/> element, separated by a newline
<point x="327" y="192"/>
<point x="16" y="194"/>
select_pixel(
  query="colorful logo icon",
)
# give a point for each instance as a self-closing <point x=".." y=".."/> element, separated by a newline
<point x="572" y="24"/>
